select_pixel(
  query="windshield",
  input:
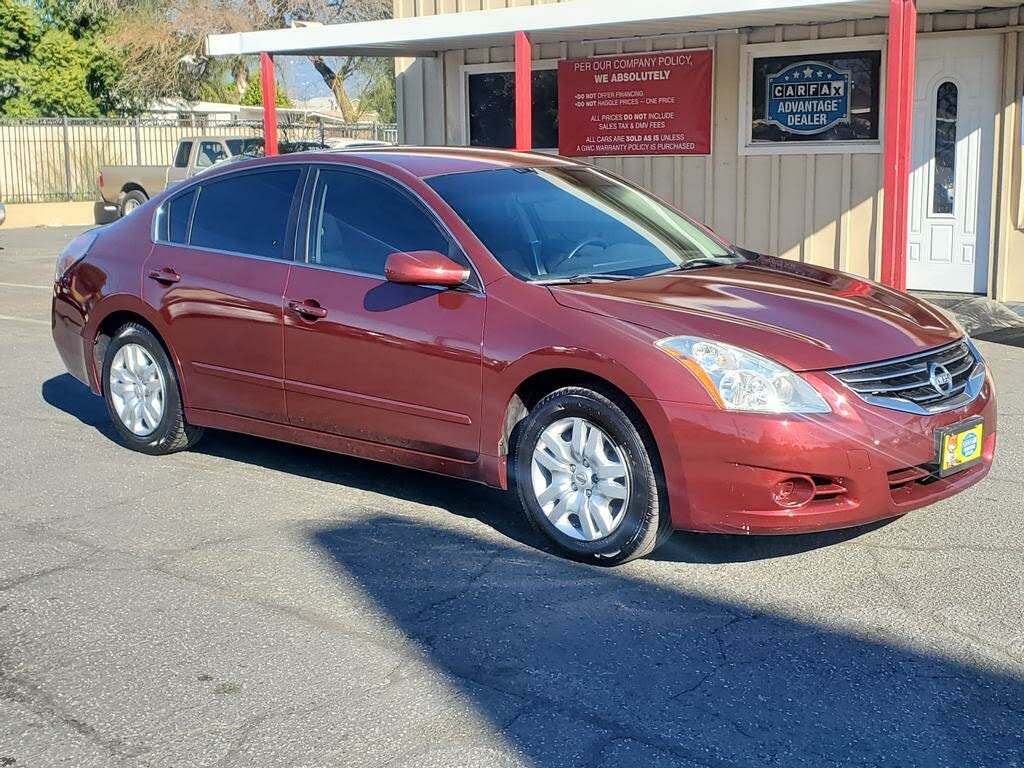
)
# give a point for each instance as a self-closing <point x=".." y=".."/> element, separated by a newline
<point x="557" y="223"/>
<point x="245" y="146"/>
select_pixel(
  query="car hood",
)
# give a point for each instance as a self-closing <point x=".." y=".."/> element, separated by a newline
<point x="805" y="317"/>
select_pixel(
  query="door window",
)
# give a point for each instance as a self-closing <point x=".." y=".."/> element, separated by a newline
<point x="944" y="191"/>
<point x="358" y="221"/>
<point x="246" y="213"/>
<point x="210" y="152"/>
<point x="181" y="157"/>
<point x="176" y="217"/>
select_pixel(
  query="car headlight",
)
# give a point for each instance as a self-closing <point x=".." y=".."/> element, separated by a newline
<point x="741" y="380"/>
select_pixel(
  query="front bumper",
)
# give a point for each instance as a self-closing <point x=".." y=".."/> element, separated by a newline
<point x="866" y="463"/>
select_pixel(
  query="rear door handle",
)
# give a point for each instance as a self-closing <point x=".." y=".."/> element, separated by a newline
<point x="309" y="309"/>
<point x="165" y="275"/>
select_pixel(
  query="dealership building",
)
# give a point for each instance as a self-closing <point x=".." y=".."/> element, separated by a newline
<point x="881" y="137"/>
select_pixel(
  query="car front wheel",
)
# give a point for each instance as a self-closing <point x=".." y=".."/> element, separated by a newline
<point x="586" y="478"/>
<point x="142" y="395"/>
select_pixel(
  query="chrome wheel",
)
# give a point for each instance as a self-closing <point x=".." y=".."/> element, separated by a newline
<point x="129" y="205"/>
<point x="580" y="479"/>
<point x="137" y="389"/>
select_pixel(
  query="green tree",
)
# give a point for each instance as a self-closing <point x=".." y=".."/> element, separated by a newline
<point x="51" y="62"/>
<point x="379" y="94"/>
<point x="253" y="96"/>
<point x="55" y="81"/>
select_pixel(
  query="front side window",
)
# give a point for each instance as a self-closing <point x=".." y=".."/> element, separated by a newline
<point x="246" y="213"/>
<point x="552" y="223"/>
<point x="210" y="152"/>
<point x="182" y="155"/>
<point x="945" y="149"/>
<point x="358" y="221"/>
<point x="492" y="109"/>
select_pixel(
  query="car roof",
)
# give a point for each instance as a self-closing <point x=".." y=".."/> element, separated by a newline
<point x="438" y="161"/>
<point x="219" y="137"/>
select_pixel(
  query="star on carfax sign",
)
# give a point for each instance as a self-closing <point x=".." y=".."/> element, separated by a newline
<point x="808" y="97"/>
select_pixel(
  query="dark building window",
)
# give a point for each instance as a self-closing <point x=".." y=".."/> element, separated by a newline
<point x="492" y="109"/>
<point x="945" y="148"/>
<point x="864" y="68"/>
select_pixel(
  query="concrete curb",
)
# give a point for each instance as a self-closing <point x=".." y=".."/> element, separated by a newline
<point x="23" y="215"/>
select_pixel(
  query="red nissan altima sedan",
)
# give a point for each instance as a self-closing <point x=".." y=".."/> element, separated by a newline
<point x="523" y="320"/>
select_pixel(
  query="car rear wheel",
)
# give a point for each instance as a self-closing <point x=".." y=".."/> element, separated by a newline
<point x="132" y="200"/>
<point x="586" y="478"/>
<point x="141" y="390"/>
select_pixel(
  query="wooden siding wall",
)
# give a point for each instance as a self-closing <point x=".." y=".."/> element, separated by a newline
<point x="820" y="208"/>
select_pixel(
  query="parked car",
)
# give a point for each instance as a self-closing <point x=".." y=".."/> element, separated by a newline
<point x="523" y="320"/>
<point x="256" y="150"/>
<point x="123" y="188"/>
<point x="3" y="212"/>
<point x="353" y="143"/>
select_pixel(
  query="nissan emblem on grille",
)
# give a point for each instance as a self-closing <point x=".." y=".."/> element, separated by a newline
<point x="935" y="380"/>
<point x="938" y="376"/>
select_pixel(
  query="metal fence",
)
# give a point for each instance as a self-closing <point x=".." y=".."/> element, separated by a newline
<point x="53" y="159"/>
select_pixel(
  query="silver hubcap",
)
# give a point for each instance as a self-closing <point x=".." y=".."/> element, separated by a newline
<point x="580" y="479"/>
<point x="129" y="205"/>
<point x="137" y="389"/>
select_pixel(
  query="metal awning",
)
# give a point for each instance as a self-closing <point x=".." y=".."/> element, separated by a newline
<point x="556" y="22"/>
<point x="578" y="20"/>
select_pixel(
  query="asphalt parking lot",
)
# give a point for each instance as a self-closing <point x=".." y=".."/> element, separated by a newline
<point x="255" y="604"/>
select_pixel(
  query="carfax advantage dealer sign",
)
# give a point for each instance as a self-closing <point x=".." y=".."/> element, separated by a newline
<point x="637" y="104"/>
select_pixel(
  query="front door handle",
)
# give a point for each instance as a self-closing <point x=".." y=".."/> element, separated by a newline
<point x="310" y="309"/>
<point x="165" y="275"/>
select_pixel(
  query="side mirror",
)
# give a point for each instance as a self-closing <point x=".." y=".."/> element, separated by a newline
<point x="424" y="268"/>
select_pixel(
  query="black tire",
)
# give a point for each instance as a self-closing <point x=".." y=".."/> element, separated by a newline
<point x="104" y="212"/>
<point x="132" y="200"/>
<point x="645" y="522"/>
<point x="172" y="433"/>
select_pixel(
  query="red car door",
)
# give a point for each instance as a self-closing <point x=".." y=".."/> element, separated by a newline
<point x="217" y="276"/>
<point x="373" y="360"/>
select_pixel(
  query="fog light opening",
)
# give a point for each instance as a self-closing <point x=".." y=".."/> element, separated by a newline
<point x="793" y="492"/>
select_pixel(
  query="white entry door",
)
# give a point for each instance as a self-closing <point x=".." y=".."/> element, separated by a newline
<point x="955" y="98"/>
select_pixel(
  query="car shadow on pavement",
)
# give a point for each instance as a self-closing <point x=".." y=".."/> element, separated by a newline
<point x="576" y="665"/>
<point x="497" y="509"/>
<point x="68" y="394"/>
<point x="494" y="508"/>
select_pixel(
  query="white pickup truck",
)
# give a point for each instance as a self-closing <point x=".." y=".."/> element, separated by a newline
<point x="125" y="187"/>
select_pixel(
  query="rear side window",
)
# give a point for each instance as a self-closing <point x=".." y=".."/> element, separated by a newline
<point x="246" y="213"/>
<point x="181" y="157"/>
<point x="178" y="212"/>
<point x="358" y="221"/>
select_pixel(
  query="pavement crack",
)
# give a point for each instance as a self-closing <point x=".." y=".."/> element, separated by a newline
<point x="16" y="581"/>
<point x="43" y="705"/>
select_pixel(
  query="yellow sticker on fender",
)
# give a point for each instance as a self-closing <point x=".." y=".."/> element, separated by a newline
<point x="961" y="447"/>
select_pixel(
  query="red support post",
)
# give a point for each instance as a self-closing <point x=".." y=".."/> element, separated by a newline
<point x="268" y="84"/>
<point x="524" y="93"/>
<point x="899" y="106"/>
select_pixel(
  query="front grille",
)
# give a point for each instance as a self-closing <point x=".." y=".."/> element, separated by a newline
<point x="905" y="383"/>
<point x="923" y="473"/>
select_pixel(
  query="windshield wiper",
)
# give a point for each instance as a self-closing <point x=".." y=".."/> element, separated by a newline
<point x="702" y="262"/>
<point x="582" y="279"/>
